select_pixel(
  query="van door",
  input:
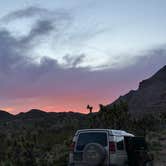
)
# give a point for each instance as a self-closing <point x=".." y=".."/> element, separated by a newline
<point x="121" y="153"/>
<point x="85" y="138"/>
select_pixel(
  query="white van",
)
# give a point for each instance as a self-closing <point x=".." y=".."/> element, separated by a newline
<point x="93" y="147"/>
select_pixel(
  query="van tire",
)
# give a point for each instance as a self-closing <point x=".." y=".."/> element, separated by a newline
<point x="94" y="154"/>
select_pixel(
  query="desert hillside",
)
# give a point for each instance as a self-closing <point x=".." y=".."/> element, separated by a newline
<point x="150" y="96"/>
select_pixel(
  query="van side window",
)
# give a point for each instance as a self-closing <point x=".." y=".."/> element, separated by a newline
<point x="120" y="143"/>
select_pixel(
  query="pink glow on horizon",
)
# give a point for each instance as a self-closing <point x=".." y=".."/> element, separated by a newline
<point x="74" y="104"/>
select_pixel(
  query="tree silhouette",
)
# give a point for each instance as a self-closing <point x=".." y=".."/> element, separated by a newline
<point x="102" y="107"/>
<point x="90" y="108"/>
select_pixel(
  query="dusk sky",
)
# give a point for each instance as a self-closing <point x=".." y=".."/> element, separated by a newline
<point x="60" y="55"/>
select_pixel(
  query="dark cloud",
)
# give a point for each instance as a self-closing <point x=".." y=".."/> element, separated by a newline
<point x="9" y="56"/>
<point x="24" y="13"/>
<point x="73" y="61"/>
<point x="36" y="13"/>
<point x="45" y="23"/>
<point x="41" y="28"/>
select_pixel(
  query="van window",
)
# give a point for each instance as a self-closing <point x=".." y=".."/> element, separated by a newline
<point x="91" y="137"/>
<point x="120" y="143"/>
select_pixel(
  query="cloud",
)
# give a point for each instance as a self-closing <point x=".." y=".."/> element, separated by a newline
<point x="57" y="30"/>
<point x="44" y="24"/>
<point x="24" y="13"/>
<point x="73" y="61"/>
<point x="41" y="28"/>
<point x="22" y="78"/>
<point x="9" y="57"/>
<point x="35" y="12"/>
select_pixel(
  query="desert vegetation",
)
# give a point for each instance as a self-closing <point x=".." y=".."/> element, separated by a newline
<point x="45" y="140"/>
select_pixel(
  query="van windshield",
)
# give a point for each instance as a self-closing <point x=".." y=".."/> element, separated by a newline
<point x="91" y="137"/>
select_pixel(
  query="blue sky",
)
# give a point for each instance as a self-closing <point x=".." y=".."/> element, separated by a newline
<point x="69" y="53"/>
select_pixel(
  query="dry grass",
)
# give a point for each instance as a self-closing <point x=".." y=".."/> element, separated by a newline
<point x="157" y="142"/>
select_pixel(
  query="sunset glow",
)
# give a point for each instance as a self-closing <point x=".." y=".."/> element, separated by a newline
<point x="60" y="56"/>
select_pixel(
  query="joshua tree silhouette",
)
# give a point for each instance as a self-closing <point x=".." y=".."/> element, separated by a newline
<point x="90" y="108"/>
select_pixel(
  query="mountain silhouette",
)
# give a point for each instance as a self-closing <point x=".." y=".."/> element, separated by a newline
<point x="149" y="97"/>
<point x="5" y="116"/>
<point x="33" y="113"/>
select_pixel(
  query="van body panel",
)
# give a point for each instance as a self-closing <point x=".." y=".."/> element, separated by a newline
<point x="119" y="157"/>
<point x="105" y="144"/>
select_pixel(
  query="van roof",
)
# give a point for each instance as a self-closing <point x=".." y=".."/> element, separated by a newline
<point x="110" y="131"/>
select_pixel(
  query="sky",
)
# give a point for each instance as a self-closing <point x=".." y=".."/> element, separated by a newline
<point x="62" y="55"/>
